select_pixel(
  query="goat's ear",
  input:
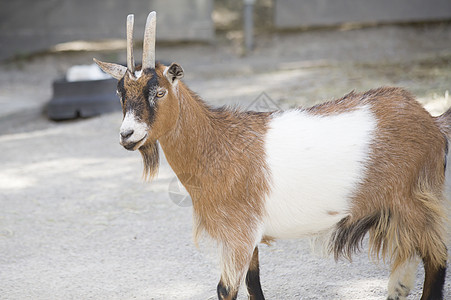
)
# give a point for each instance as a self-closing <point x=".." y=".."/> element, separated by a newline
<point x="115" y="70"/>
<point x="173" y="73"/>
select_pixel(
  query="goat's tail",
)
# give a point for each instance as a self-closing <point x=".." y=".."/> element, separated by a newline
<point x="393" y="237"/>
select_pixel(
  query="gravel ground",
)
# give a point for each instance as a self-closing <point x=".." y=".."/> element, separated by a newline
<point x="78" y="222"/>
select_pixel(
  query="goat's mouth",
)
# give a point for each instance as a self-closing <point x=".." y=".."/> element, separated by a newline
<point x="132" y="146"/>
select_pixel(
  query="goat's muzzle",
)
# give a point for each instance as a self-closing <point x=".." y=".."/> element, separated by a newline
<point x="129" y="144"/>
<point x="133" y="132"/>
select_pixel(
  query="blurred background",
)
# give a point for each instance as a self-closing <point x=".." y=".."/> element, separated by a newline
<point x="362" y="44"/>
<point x="76" y="220"/>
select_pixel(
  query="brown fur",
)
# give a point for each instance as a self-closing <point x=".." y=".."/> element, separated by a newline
<point x="151" y="160"/>
<point x="222" y="150"/>
<point x="219" y="157"/>
<point x="401" y="201"/>
<point x="444" y="123"/>
<point x="218" y="154"/>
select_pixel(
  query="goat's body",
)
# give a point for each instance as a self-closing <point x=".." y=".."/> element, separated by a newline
<point x="370" y="162"/>
<point x="367" y="163"/>
<point x="314" y="168"/>
<point x="322" y="164"/>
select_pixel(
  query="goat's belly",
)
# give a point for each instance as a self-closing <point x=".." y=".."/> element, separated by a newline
<point x="316" y="164"/>
<point x="288" y="218"/>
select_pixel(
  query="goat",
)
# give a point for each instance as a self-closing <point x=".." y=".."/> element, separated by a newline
<point x="370" y="162"/>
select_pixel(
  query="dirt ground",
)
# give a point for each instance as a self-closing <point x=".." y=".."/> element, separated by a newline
<point x="78" y="222"/>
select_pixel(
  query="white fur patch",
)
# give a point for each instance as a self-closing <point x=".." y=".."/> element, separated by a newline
<point x="165" y="71"/>
<point x="231" y="275"/>
<point x="138" y="74"/>
<point x="139" y="128"/>
<point x="402" y="280"/>
<point x="316" y="163"/>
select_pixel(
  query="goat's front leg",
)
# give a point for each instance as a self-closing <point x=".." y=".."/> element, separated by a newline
<point x="235" y="262"/>
<point x="225" y="292"/>
<point x="253" y="278"/>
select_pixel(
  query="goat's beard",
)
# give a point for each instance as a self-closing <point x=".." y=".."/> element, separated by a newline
<point x="151" y="159"/>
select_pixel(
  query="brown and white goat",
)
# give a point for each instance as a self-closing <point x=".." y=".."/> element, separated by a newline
<point x="366" y="163"/>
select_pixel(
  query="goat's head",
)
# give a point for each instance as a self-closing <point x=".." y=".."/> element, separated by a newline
<point x="148" y="96"/>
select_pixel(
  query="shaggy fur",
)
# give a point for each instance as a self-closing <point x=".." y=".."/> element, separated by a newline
<point x="222" y="156"/>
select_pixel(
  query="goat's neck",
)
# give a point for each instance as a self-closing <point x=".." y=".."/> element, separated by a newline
<point x="214" y="153"/>
<point x="186" y="145"/>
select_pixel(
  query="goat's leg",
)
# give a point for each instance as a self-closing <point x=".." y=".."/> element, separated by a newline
<point x="226" y="293"/>
<point x="253" y="278"/>
<point x="434" y="280"/>
<point x="235" y="261"/>
<point x="402" y="280"/>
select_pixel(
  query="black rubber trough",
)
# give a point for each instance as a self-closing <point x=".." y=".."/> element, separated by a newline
<point x="87" y="98"/>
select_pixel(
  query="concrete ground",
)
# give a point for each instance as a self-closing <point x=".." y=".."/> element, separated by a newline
<point x="78" y="222"/>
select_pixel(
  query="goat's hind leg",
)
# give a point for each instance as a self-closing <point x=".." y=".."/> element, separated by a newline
<point x="402" y="280"/>
<point x="434" y="279"/>
<point x="254" y="287"/>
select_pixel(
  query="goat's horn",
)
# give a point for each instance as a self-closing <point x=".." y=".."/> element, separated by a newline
<point x="115" y="70"/>
<point x="149" y="41"/>
<point x="130" y="59"/>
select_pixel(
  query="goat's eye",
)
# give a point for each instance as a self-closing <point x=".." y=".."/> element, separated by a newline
<point x="160" y="94"/>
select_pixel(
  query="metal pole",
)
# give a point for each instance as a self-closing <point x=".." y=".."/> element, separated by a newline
<point x="249" y="24"/>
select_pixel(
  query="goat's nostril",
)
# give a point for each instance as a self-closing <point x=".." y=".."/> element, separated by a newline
<point x="127" y="133"/>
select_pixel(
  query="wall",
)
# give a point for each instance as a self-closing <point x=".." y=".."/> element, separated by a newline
<point x="33" y="25"/>
<point x="303" y="13"/>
